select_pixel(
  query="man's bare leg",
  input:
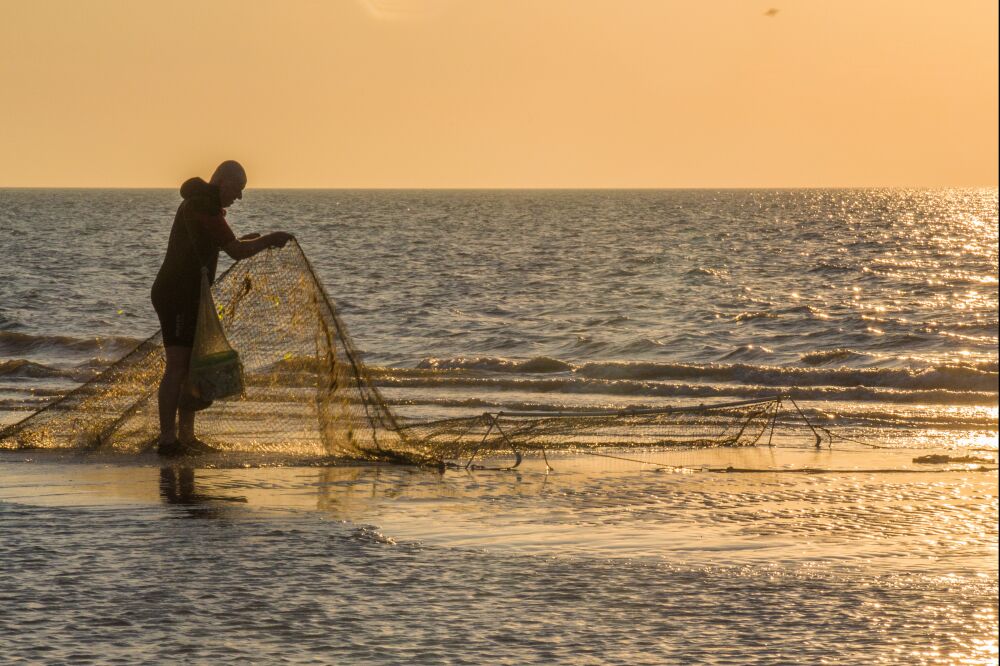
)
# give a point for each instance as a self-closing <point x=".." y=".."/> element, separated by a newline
<point x="169" y="394"/>
<point x="185" y="425"/>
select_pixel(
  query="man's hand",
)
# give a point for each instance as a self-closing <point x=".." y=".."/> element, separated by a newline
<point x="253" y="243"/>
<point x="280" y="238"/>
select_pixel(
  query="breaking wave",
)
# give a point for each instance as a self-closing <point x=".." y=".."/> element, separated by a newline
<point x="831" y="356"/>
<point x="13" y="343"/>
<point x="628" y="388"/>
<point x="750" y="316"/>
<point x="26" y="368"/>
<point x="20" y="367"/>
<point x="954" y="378"/>
<point x="977" y="378"/>
<point x="539" y="364"/>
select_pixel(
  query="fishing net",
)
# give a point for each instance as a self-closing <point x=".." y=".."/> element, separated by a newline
<point x="307" y="394"/>
<point x="216" y="371"/>
<point x="730" y="424"/>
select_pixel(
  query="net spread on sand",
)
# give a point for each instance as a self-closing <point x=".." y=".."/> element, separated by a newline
<point x="307" y="393"/>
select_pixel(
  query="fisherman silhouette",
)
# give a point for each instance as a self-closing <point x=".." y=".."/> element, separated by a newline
<point x="199" y="231"/>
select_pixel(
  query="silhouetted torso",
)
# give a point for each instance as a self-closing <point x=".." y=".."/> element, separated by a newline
<point x="198" y="233"/>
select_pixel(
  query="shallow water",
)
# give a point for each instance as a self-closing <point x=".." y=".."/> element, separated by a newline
<point x="596" y="562"/>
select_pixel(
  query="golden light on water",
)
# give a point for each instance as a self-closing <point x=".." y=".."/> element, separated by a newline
<point x="983" y="441"/>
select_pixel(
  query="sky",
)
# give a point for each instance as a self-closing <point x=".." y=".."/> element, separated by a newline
<point x="500" y="93"/>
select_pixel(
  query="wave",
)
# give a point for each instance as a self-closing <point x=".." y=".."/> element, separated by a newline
<point x="20" y="367"/>
<point x="959" y="420"/>
<point x="862" y="418"/>
<point x="25" y="404"/>
<point x="978" y="377"/>
<point x="92" y="365"/>
<point x="750" y="316"/>
<point x="986" y="326"/>
<point x="630" y="388"/>
<point x="431" y="366"/>
<point x="831" y="356"/>
<point x="13" y="343"/>
<point x="960" y="384"/>
<point x="802" y="309"/>
<point x="710" y="272"/>
<point x="28" y="369"/>
<point x="539" y="364"/>
<point x="464" y="376"/>
<point x="749" y="352"/>
<point x="946" y="377"/>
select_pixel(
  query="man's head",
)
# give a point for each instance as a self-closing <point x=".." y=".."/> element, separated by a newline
<point x="231" y="179"/>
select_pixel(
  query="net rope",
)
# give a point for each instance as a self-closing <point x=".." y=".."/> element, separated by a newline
<point x="308" y="394"/>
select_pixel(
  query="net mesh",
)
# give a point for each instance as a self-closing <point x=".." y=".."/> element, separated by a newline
<point x="307" y="393"/>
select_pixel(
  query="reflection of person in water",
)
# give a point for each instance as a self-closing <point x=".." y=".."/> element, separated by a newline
<point x="177" y="486"/>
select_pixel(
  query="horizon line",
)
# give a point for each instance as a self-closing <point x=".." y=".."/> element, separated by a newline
<point x="531" y="188"/>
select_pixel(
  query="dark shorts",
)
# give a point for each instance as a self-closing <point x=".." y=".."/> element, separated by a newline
<point x="177" y="322"/>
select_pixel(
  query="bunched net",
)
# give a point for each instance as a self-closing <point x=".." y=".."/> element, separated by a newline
<point x="308" y="394"/>
<point x="730" y="424"/>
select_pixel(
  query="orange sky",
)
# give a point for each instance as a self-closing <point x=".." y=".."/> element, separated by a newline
<point x="499" y="93"/>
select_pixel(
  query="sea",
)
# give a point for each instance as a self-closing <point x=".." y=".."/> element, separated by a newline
<point x="875" y="310"/>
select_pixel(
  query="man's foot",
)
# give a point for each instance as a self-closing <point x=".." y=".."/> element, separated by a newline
<point x="196" y="446"/>
<point x="172" y="449"/>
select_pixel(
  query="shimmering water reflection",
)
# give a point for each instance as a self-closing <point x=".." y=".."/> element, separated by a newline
<point x="879" y="559"/>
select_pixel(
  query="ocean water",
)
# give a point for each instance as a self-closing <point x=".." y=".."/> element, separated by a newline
<point x="868" y="302"/>
<point x="876" y="310"/>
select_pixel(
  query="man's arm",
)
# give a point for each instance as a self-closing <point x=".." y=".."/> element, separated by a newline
<point x="242" y="249"/>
